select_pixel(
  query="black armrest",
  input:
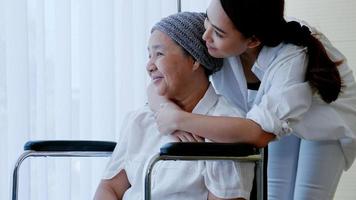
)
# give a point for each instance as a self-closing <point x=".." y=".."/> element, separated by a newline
<point x="69" y="145"/>
<point x="208" y="149"/>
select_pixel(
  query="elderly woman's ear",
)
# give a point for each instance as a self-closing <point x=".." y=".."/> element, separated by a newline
<point x="196" y="65"/>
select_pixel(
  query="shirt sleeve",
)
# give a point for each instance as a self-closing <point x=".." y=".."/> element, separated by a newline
<point x="229" y="179"/>
<point x="118" y="158"/>
<point x="287" y="96"/>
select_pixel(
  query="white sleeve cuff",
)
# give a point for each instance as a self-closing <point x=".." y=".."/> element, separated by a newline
<point x="269" y="122"/>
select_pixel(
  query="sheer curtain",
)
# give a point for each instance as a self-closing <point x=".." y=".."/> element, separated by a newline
<point x="69" y="69"/>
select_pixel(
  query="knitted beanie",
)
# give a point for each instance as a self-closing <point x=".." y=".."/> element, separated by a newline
<point x="187" y="29"/>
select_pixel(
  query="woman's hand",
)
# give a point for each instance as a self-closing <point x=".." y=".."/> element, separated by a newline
<point x="183" y="136"/>
<point x="154" y="99"/>
<point x="167" y="117"/>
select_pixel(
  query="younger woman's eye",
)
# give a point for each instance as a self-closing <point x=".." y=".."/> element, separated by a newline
<point x="206" y="23"/>
<point x="218" y="34"/>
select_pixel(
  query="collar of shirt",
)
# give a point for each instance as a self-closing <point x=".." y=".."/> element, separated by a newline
<point x="207" y="102"/>
<point x="264" y="60"/>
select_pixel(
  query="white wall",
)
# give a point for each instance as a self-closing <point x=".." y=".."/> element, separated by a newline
<point x="337" y="20"/>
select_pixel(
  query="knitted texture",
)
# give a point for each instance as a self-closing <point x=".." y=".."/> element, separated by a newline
<point x="187" y="29"/>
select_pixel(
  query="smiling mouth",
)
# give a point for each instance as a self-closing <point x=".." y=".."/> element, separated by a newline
<point x="156" y="78"/>
<point x="210" y="47"/>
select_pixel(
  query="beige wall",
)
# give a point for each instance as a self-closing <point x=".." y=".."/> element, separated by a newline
<point x="337" y="20"/>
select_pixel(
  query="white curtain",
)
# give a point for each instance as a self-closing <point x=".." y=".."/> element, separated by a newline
<point x="69" y="69"/>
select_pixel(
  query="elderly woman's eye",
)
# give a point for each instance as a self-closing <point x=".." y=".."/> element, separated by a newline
<point x="159" y="54"/>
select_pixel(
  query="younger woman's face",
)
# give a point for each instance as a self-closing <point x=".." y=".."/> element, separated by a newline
<point x="221" y="37"/>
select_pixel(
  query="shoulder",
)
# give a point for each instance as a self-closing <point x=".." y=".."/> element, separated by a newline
<point x="281" y="56"/>
<point x="225" y="108"/>
<point x="290" y="51"/>
<point x="140" y="116"/>
<point x="288" y="65"/>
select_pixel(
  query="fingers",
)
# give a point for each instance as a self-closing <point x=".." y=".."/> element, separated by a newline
<point x="187" y="137"/>
<point x="198" y="138"/>
<point x="180" y="136"/>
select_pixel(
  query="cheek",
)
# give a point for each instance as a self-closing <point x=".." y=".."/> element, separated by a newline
<point x="231" y="48"/>
<point x="165" y="82"/>
<point x="220" y="49"/>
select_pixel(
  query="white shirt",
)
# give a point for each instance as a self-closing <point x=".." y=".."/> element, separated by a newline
<point x="285" y="104"/>
<point x="176" y="180"/>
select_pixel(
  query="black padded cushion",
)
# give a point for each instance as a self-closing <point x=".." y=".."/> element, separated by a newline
<point x="207" y="149"/>
<point x="69" y="145"/>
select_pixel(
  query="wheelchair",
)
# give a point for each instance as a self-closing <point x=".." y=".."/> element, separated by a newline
<point x="170" y="151"/>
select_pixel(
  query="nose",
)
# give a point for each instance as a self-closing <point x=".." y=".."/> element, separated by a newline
<point x="207" y="34"/>
<point x="150" y="66"/>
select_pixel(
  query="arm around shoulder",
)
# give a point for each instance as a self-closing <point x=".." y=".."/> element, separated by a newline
<point x="224" y="129"/>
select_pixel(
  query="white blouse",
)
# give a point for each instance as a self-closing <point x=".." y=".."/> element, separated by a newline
<point x="285" y="103"/>
<point x="140" y="139"/>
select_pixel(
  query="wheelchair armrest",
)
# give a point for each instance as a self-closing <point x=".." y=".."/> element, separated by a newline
<point x="69" y="145"/>
<point x="208" y="149"/>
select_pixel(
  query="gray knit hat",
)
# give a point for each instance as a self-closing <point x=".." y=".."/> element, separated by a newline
<point x="187" y="29"/>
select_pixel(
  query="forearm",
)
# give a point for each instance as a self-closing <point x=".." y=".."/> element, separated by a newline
<point x="224" y="129"/>
<point x="113" y="189"/>
<point x="105" y="192"/>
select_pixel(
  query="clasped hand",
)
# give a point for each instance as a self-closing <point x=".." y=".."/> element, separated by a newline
<point x="167" y="116"/>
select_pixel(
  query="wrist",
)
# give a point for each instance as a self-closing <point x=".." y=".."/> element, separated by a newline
<point x="181" y="117"/>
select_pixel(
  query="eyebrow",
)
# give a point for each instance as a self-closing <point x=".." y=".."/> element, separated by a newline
<point x="214" y="26"/>
<point x="155" y="47"/>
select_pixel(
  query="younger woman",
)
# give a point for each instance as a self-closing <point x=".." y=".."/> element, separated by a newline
<point x="295" y="87"/>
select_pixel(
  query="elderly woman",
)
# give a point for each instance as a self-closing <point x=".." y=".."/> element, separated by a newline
<point x="179" y="66"/>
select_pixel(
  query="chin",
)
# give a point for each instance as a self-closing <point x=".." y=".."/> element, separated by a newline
<point x="162" y="91"/>
<point x="216" y="54"/>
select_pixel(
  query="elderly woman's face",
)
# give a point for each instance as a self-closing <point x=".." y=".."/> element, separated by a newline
<point x="168" y="66"/>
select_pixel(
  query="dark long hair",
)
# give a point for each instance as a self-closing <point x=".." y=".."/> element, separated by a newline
<point x="264" y="19"/>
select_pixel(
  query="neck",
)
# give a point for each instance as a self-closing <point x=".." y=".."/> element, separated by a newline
<point x="248" y="59"/>
<point x="192" y="94"/>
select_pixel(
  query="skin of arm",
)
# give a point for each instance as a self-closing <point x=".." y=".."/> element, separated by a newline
<point x="224" y="129"/>
<point x="216" y="128"/>
<point x="113" y="189"/>
<point x="212" y="197"/>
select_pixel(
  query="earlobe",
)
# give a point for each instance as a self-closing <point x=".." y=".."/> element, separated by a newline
<point x="196" y="65"/>
<point x="253" y="42"/>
